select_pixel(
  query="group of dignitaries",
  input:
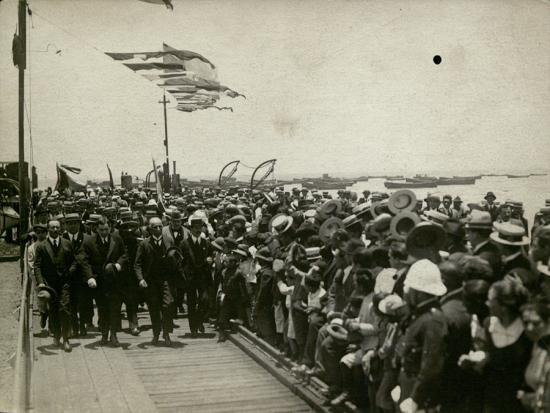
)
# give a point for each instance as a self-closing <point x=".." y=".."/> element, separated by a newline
<point x="398" y="304"/>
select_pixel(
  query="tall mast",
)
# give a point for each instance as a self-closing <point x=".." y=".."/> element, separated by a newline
<point x="22" y="59"/>
<point x="167" y="170"/>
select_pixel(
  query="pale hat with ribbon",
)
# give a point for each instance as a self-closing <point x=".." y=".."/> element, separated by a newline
<point x="507" y="233"/>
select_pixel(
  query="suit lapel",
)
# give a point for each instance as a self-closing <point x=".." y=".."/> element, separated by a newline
<point x="111" y="247"/>
<point x="49" y="249"/>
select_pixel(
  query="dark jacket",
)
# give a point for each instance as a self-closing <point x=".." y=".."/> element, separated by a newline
<point x="50" y="268"/>
<point x="79" y="263"/>
<point x="424" y="353"/>
<point x="152" y="264"/>
<point x="264" y="296"/>
<point x="96" y="264"/>
<point x="490" y="253"/>
<point x="196" y="267"/>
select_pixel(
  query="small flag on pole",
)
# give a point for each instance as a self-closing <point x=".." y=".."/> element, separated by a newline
<point x="111" y="181"/>
<point x="158" y="185"/>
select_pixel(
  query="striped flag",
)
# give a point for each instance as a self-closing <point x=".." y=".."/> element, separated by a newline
<point x="158" y="185"/>
<point x="189" y="77"/>
<point x="111" y="181"/>
<point x="66" y="180"/>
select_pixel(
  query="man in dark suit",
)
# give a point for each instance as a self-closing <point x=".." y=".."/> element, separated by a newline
<point x="81" y="308"/>
<point x="173" y="234"/>
<point x="157" y="274"/>
<point x="491" y="207"/>
<point x="52" y="268"/>
<point x="478" y="231"/>
<point x="197" y="258"/>
<point x="105" y="258"/>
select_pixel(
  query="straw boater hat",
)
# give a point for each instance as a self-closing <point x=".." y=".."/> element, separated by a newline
<point x="313" y="253"/>
<point x="403" y="223"/>
<point x="330" y="208"/>
<point x="351" y="220"/>
<point x="128" y="225"/>
<point x="424" y="238"/>
<point x="425" y="276"/>
<point x="329" y="227"/>
<point x="436" y="217"/>
<point x="280" y="223"/>
<point x="378" y="208"/>
<point x="509" y="234"/>
<point x="403" y="200"/>
<point x="219" y="244"/>
<point x="72" y="217"/>
<point x="479" y="220"/>
<point x="242" y="250"/>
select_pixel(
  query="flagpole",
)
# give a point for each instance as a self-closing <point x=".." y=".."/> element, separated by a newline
<point x="167" y="171"/>
<point x="23" y="210"/>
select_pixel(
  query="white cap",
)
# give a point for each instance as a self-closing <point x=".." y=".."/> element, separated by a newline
<point x="425" y="276"/>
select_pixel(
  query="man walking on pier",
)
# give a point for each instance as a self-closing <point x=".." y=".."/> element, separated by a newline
<point x="52" y="271"/>
<point x="157" y="273"/>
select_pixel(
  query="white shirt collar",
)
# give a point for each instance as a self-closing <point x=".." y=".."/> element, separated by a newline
<point x="505" y="336"/>
<point x="195" y="239"/>
<point x="52" y="240"/>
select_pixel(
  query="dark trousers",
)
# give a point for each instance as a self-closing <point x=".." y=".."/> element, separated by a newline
<point x="60" y="312"/>
<point x="159" y="296"/>
<point x="315" y="323"/>
<point x="231" y="309"/>
<point x="197" y="304"/>
<point x="265" y="324"/>
<point x="128" y="295"/>
<point x="332" y="351"/>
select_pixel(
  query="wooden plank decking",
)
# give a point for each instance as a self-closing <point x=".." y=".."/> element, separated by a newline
<point x="194" y="375"/>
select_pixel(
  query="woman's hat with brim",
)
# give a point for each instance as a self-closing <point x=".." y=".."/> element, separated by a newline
<point x="402" y="200"/>
<point x="242" y="250"/>
<point x="479" y="220"/>
<point x="425" y="238"/>
<point x="338" y="332"/>
<point x="329" y="227"/>
<point x="403" y="223"/>
<point x="307" y="229"/>
<point x="329" y="209"/>
<point x="509" y="234"/>
<point x="280" y="223"/>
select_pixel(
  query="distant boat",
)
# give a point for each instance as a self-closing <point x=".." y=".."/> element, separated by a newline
<point x="362" y="179"/>
<point x="425" y="177"/>
<point x="419" y="184"/>
<point x="538" y="174"/>
<point x="464" y="177"/>
<point x="456" y="181"/>
<point x="518" y="176"/>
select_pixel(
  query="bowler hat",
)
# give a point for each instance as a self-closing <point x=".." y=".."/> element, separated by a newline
<point x="402" y="200"/>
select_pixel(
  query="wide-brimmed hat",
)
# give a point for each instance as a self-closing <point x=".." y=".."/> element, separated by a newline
<point x="45" y="295"/>
<point x="425" y="276"/>
<point x="490" y="195"/>
<point x="378" y="208"/>
<point x="198" y="215"/>
<point x="306" y="229"/>
<point x="403" y="223"/>
<point x="93" y="219"/>
<point x="329" y="227"/>
<point x="438" y="218"/>
<point x="424" y="238"/>
<point x="509" y="234"/>
<point x="280" y="223"/>
<point x="219" y="244"/>
<point x="381" y="223"/>
<point x="264" y="254"/>
<point x="351" y="220"/>
<point x="362" y="209"/>
<point x="402" y="200"/>
<point x="330" y="208"/>
<point x="242" y="250"/>
<point x="479" y="220"/>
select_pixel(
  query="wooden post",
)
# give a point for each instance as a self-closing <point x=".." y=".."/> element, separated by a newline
<point x="22" y="63"/>
<point x="167" y="183"/>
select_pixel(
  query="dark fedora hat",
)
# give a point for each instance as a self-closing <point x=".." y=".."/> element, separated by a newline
<point x="264" y="254"/>
<point x="330" y="208"/>
<point x="490" y="195"/>
<point x="424" y="238"/>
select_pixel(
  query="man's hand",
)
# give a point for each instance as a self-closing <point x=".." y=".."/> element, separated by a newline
<point x="408" y="406"/>
<point x="366" y="361"/>
<point x="92" y="283"/>
<point x="41" y="285"/>
<point x="143" y="284"/>
<point x="209" y="260"/>
<point x="278" y="265"/>
<point x="118" y="266"/>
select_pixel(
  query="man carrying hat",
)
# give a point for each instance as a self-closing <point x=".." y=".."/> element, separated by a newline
<point x="157" y="277"/>
<point x="52" y="269"/>
<point x="105" y="258"/>
<point x="424" y="345"/>
<point x="173" y="234"/>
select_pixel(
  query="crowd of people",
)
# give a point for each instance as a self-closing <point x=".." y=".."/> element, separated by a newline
<point x="398" y="304"/>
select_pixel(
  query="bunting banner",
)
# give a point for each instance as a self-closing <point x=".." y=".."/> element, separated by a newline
<point x="65" y="180"/>
<point x="189" y="77"/>
<point x="111" y="181"/>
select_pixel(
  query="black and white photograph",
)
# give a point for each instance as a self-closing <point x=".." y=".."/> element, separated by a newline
<point x="277" y="206"/>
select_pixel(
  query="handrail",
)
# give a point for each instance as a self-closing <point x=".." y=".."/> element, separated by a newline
<point x="24" y="351"/>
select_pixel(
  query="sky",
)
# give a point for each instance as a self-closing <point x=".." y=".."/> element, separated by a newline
<point x="343" y="87"/>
